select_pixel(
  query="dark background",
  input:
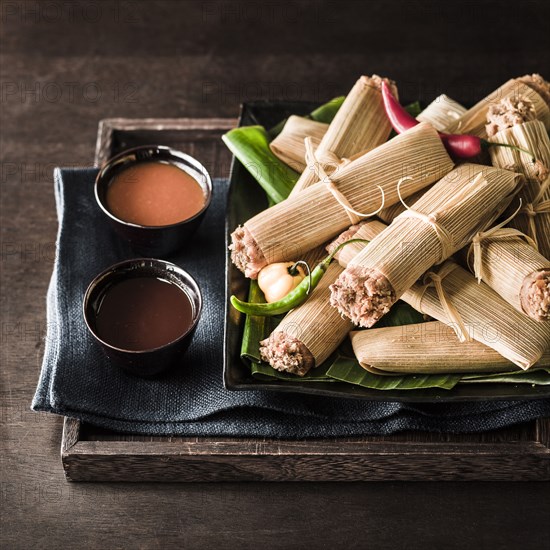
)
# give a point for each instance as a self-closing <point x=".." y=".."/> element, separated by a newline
<point x="67" y="64"/>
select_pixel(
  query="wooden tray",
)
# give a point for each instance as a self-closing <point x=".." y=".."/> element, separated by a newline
<point x="93" y="454"/>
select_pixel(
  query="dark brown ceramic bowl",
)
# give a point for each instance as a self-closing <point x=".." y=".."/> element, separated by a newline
<point x="157" y="241"/>
<point x="148" y="362"/>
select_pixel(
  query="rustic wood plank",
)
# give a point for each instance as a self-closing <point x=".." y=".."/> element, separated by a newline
<point x="71" y="434"/>
<point x="543" y="432"/>
<point x="198" y="127"/>
<point x="352" y="459"/>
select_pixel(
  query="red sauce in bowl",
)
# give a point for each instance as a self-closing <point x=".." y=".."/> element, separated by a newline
<point x="154" y="194"/>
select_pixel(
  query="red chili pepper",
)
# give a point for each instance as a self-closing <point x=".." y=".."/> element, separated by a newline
<point x="463" y="146"/>
<point x="400" y="119"/>
<point x="458" y="145"/>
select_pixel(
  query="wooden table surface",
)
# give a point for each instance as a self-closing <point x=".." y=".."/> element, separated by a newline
<point x="67" y="64"/>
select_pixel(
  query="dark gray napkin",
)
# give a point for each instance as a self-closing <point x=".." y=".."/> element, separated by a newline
<point x="77" y="380"/>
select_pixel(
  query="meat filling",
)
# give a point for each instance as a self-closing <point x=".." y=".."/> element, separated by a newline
<point x="535" y="295"/>
<point x="537" y="83"/>
<point x="245" y="252"/>
<point x="362" y="294"/>
<point x="509" y="112"/>
<point x="287" y="354"/>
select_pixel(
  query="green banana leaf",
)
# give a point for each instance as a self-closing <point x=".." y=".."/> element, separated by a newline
<point x="537" y="376"/>
<point x="400" y="314"/>
<point x="326" y="112"/>
<point x="256" y="328"/>
<point x="263" y="371"/>
<point x="347" y="369"/>
<point x="250" y="144"/>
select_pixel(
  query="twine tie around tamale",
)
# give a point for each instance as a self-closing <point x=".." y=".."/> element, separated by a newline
<point x="538" y="206"/>
<point x="445" y="238"/>
<point x="498" y="232"/>
<point x="435" y="279"/>
<point x="313" y="162"/>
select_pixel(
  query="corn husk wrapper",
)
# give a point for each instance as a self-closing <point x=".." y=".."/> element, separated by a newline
<point x="510" y="265"/>
<point x="464" y="202"/>
<point x="488" y="318"/>
<point x="289" y="145"/>
<point x="311" y="217"/>
<point x="396" y="350"/>
<point x="442" y="112"/>
<point x="315" y="324"/>
<point x="360" y="125"/>
<point x="534" y="218"/>
<point x="387" y="215"/>
<point x="531" y="136"/>
<point x="473" y="120"/>
<point x="314" y="256"/>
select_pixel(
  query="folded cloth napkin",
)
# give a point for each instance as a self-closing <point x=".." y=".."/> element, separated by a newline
<point x="78" y="381"/>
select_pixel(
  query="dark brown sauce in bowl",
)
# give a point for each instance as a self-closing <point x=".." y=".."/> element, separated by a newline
<point x="143" y="313"/>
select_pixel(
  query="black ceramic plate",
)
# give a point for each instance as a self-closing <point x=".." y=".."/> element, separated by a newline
<point x="246" y="198"/>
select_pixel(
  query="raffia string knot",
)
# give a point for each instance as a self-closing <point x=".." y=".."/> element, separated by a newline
<point x="435" y="279"/>
<point x="445" y="238"/>
<point x="317" y="164"/>
<point x="498" y="232"/>
<point x="536" y="207"/>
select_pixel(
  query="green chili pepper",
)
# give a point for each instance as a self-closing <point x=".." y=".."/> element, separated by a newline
<point x="295" y="297"/>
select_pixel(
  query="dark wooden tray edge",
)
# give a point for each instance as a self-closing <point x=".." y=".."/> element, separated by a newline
<point x="208" y="459"/>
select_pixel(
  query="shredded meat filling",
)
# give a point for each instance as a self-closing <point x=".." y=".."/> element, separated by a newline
<point x="535" y="295"/>
<point x="509" y="112"/>
<point x="245" y="253"/>
<point x="362" y="294"/>
<point x="286" y="353"/>
<point x="537" y="83"/>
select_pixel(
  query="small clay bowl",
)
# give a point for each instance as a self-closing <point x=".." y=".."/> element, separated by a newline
<point x="146" y="240"/>
<point x="143" y="362"/>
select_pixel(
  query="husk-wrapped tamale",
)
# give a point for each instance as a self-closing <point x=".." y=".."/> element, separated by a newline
<point x="289" y="145"/>
<point x="531" y="86"/>
<point x="308" y="334"/>
<point x="360" y="125"/>
<point x="512" y="122"/>
<point x="442" y="112"/>
<point x="387" y="215"/>
<point x="507" y="262"/>
<point x="312" y="216"/>
<point x="534" y="218"/>
<point x="452" y="295"/>
<point x="443" y="220"/>
<point x="427" y="348"/>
